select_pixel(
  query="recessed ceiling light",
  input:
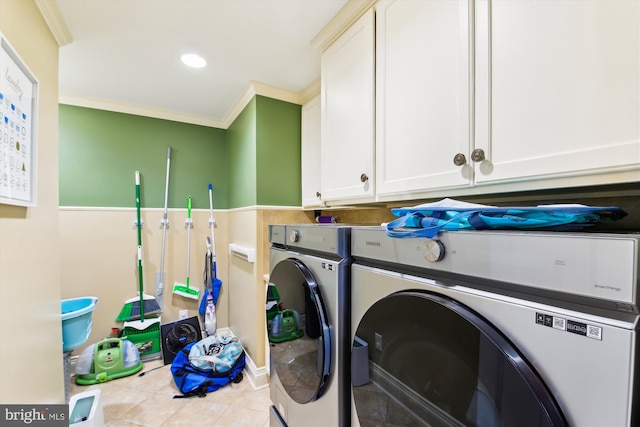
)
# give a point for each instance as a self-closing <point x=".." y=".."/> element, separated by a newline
<point x="193" y="60"/>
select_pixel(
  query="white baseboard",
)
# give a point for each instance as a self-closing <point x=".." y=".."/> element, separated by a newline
<point x="258" y="377"/>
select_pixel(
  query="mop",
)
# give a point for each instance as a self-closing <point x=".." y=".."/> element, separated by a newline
<point x="207" y="306"/>
<point x="184" y="289"/>
<point x="211" y="281"/>
<point x="136" y="308"/>
<point x="160" y="275"/>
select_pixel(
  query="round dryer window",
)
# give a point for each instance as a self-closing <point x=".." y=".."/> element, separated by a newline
<point x="299" y="333"/>
<point x="433" y="361"/>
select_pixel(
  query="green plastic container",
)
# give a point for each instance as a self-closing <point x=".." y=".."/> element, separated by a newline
<point x="146" y="336"/>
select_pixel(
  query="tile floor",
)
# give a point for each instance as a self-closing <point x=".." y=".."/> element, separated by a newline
<point x="148" y="401"/>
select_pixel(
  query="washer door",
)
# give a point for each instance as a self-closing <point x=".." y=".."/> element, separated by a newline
<point x="433" y="361"/>
<point x="299" y="334"/>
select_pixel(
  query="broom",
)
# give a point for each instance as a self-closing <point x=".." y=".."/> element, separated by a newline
<point x="135" y="308"/>
<point x="183" y="289"/>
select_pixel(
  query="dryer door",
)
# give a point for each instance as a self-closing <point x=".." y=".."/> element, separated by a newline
<point x="434" y="361"/>
<point x="299" y="331"/>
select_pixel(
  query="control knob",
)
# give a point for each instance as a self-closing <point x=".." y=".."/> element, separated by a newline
<point x="433" y="250"/>
<point x="294" y="236"/>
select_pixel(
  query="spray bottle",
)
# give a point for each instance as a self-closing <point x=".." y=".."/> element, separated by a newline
<point x="210" y="316"/>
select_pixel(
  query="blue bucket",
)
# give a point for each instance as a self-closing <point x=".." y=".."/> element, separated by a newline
<point x="76" y="321"/>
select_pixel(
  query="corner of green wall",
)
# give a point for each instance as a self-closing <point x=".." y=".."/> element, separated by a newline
<point x="241" y="138"/>
<point x="278" y="142"/>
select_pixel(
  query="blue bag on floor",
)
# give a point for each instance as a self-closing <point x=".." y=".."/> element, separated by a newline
<point x="451" y="215"/>
<point x="205" y="366"/>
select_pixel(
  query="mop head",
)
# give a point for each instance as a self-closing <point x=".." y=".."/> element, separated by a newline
<point x="185" y="290"/>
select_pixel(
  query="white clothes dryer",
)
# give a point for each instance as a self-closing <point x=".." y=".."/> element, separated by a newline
<point x="495" y="328"/>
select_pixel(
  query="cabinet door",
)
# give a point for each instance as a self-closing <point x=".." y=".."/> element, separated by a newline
<point x="422" y="95"/>
<point x="558" y="89"/>
<point x="347" y="98"/>
<point x="311" y="153"/>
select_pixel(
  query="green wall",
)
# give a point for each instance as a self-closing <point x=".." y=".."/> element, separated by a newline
<point x="254" y="162"/>
<point x="264" y="154"/>
<point x="101" y="150"/>
<point x="278" y="153"/>
<point x="241" y="137"/>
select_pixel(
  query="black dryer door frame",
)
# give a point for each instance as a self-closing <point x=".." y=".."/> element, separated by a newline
<point x="303" y="365"/>
<point x="447" y="365"/>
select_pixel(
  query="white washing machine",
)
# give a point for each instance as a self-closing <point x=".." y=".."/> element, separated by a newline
<point x="309" y="273"/>
<point x="495" y="328"/>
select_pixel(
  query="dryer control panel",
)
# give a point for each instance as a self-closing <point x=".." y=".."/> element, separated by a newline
<point x="594" y="265"/>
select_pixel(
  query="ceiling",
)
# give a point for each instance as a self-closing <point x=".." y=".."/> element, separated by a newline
<point x="125" y="55"/>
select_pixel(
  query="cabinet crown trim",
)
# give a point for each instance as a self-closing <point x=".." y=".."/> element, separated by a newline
<point x="345" y="17"/>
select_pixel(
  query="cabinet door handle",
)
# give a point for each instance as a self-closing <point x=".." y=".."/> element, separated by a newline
<point x="364" y="177"/>
<point x="459" y="159"/>
<point x="477" y="155"/>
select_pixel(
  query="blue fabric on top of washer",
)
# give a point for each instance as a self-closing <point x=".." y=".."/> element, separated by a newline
<point x="427" y="220"/>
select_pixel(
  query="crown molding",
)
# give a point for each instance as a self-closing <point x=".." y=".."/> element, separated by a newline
<point x="310" y="91"/>
<point x="253" y="88"/>
<point x="51" y="14"/>
<point x="238" y="106"/>
<point x="257" y="88"/>
<point x="345" y="17"/>
<point x="138" y="110"/>
<point x="275" y="92"/>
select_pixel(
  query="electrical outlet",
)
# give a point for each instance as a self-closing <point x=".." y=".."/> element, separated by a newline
<point x="378" y="341"/>
<point x="183" y="314"/>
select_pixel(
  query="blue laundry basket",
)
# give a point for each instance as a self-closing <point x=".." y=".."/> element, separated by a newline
<point x="76" y="321"/>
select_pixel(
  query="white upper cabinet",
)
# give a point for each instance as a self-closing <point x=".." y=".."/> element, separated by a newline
<point x="481" y="96"/>
<point x="310" y="160"/>
<point x="558" y="91"/>
<point x="423" y="97"/>
<point x="347" y="104"/>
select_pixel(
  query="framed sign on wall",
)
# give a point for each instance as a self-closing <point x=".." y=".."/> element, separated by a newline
<point x="18" y="126"/>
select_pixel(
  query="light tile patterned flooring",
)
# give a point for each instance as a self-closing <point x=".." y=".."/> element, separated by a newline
<point x="148" y="401"/>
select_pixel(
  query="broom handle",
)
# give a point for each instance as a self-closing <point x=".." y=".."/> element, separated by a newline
<point x="213" y="240"/>
<point x="140" y="285"/>
<point x="165" y="217"/>
<point x="188" y="239"/>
